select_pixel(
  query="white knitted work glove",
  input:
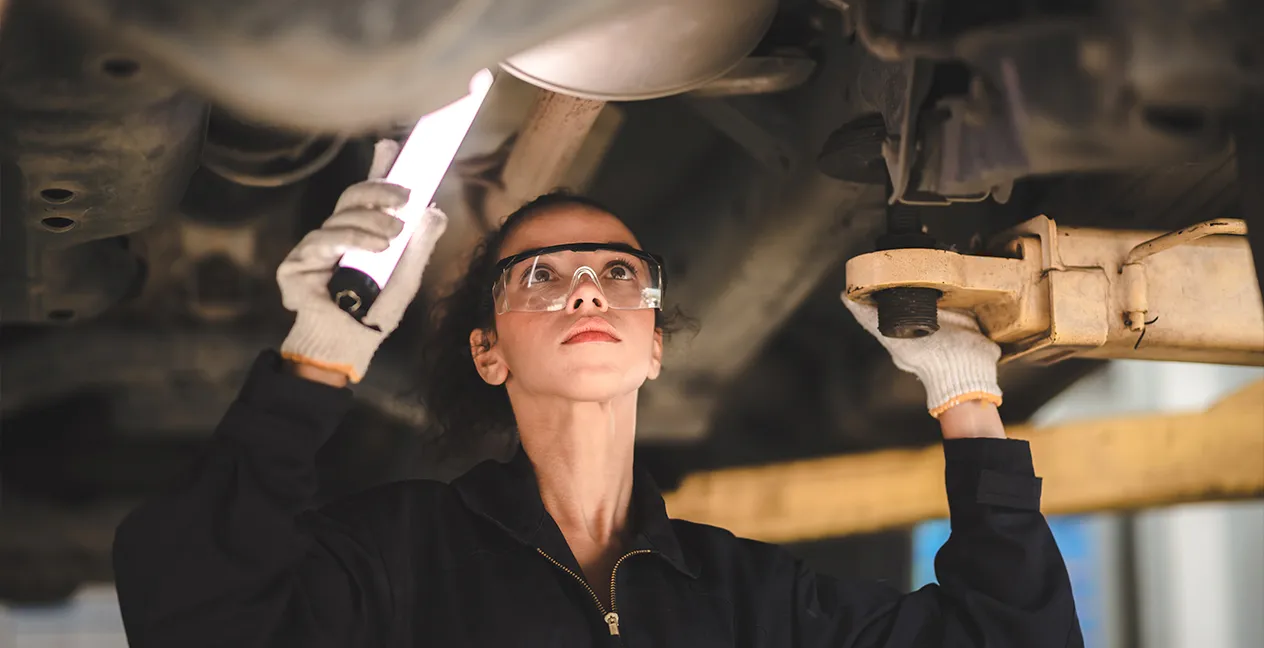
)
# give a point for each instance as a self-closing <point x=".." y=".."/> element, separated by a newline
<point x="957" y="364"/>
<point x="324" y="335"/>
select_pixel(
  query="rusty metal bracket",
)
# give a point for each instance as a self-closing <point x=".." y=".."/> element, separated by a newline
<point x="1051" y="293"/>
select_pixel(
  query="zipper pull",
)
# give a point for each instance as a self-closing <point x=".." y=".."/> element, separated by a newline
<point x="612" y="620"/>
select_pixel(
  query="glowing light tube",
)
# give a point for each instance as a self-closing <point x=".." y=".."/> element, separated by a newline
<point x="422" y="162"/>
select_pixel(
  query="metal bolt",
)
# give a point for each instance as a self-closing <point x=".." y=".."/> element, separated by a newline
<point x="907" y="313"/>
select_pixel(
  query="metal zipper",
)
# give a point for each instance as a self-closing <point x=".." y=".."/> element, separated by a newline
<point x="611" y="617"/>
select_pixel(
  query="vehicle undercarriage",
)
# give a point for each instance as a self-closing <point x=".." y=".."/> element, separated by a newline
<point x="159" y="158"/>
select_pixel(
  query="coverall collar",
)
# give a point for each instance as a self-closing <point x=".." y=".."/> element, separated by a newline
<point x="507" y="495"/>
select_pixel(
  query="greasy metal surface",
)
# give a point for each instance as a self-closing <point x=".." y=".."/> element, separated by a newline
<point x="542" y="152"/>
<point x="759" y="75"/>
<point x="890" y="47"/>
<point x="1065" y="294"/>
<point x="1126" y="84"/>
<point x="96" y="144"/>
<point x="330" y="65"/>
<point x="663" y="48"/>
<point x="259" y="156"/>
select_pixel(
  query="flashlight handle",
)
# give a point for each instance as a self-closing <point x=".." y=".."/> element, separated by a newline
<point x="354" y="291"/>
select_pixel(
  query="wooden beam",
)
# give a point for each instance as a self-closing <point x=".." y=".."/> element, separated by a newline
<point x="1108" y="464"/>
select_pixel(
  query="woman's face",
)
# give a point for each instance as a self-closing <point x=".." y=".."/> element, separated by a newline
<point x="540" y="352"/>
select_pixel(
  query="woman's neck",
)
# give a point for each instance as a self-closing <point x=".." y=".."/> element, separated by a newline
<point x="582" y="456"/>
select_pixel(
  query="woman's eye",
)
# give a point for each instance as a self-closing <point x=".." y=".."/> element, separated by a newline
<point x="620" y="272"/>
<point x="536" y="274"/>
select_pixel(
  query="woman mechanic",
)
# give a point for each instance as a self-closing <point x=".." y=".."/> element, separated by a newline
<point x="553" y="331"/>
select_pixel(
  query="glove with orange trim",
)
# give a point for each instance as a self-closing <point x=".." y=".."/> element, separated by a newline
<point x="324" y="335"/>
<point x="956" y="365"/>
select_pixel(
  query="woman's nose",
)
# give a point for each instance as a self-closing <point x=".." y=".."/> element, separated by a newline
<point x="587" y="294"/>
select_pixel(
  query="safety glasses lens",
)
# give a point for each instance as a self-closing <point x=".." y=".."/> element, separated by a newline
<point x="545" y="282"/>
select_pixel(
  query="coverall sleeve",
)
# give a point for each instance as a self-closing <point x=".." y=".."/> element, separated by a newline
<point x="235" y="557"/>
<point x="1001" y="578"/>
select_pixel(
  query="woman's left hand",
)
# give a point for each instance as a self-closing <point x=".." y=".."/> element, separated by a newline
<point x="957" y="364"/>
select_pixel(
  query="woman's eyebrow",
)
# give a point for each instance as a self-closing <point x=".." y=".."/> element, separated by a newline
<point x="634" y="246"/>
<point x="615" y="244"/>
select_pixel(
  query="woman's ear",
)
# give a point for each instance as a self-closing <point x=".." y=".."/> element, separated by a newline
<point x="487" y="359"/>
<point x="656" y="355"/>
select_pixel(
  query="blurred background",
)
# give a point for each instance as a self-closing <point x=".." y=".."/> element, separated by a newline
<point x="158" y="159"/>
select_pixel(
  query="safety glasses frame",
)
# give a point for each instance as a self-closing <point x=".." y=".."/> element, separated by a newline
<point x="649" y="257"/>
<point x="504" y="263"/>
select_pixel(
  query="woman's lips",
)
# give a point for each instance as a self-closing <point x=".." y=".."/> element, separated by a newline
<point x="590" y="336"/>
<point x="591" y="329"/>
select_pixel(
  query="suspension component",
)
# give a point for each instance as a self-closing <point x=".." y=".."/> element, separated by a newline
<point x="1051" y="293"/>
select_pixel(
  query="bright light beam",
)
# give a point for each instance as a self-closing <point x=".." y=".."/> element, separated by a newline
<point x="420" y="166"/>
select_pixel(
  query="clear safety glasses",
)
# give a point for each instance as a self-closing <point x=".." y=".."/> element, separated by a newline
<point x="543" y="279"/>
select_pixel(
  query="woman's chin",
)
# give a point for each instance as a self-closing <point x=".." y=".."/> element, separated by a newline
<point x="598" y="384"/>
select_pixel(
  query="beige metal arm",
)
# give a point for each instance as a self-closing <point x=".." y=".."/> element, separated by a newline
<point x="1053" y="293"/>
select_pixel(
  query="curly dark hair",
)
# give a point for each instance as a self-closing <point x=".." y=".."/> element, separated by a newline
<point x="461" y="407"/>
